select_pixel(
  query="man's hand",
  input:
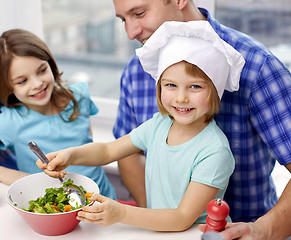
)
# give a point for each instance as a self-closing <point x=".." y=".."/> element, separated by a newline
<point x="238" y="231"/>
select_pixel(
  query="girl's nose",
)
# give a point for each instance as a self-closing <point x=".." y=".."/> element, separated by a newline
<point x="133" y="29"/>
<point x="36" y="82"/>
<point x="182" y="97"/>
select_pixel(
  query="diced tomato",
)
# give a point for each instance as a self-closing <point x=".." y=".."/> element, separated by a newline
<point x="54" y="207"/>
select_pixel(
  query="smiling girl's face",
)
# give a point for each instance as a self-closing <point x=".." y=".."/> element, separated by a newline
<point x="32" y="82"/>
<point x="183" y="96"/>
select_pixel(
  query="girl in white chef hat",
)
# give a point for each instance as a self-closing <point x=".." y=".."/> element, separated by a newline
<point x="189" y="160"/>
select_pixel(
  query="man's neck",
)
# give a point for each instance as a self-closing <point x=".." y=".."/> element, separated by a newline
<point x="192" y="13"/>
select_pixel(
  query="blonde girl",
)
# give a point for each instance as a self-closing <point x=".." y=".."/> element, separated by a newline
<point x="188" y="158"/>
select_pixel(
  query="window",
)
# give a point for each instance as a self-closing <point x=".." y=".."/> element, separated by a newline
<point x="267" y="21"/>
<point x="90" y="43"/>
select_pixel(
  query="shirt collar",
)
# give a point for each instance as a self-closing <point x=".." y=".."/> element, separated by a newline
<point x="213" y="22"/>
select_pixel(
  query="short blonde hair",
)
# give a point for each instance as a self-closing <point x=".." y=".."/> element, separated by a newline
<point x="213" y="98"/>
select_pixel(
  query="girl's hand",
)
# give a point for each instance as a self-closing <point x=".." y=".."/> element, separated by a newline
<point x="58" y="161"/>
<point x="105" y="213"/>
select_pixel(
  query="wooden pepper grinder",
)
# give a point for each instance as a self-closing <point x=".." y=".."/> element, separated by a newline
<point x="217" y="211"/>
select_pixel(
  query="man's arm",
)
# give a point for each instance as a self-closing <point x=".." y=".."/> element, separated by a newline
<point x="132" y="172"/>
<point x="276" y="223"/>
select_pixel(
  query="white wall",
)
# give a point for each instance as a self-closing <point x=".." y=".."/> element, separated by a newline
<point x="24" y="14"/>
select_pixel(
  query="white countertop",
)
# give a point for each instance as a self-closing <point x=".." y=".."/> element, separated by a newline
<point x="13" y="227"/>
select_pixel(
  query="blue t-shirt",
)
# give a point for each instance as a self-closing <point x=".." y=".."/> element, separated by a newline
<point x="19" y="126"/>
<point x="206" y="159"/>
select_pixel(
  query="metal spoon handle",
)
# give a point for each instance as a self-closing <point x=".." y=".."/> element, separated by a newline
<point x="37" y="151"/>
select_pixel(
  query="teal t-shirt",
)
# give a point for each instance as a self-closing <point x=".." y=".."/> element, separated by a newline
<point x="206" y="159"/>
<point x="18" y="127"/>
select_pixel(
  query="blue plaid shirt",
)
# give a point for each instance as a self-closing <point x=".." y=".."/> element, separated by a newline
<point x="256" y="119"/>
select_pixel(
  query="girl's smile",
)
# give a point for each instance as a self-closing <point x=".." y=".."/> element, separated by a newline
<point x="183" y="110"/>
<point x="40" y="94"/>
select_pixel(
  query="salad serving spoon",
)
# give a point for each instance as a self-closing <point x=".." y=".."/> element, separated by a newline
<point x="74" y="192"/>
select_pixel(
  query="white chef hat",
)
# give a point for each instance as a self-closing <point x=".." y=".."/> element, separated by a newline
<point x="195" y="42"/>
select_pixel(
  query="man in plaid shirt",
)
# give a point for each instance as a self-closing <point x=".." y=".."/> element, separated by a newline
<point x="256" y="119"/>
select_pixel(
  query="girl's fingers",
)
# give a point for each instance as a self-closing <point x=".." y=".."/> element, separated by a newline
<point x="96" y="208"/>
